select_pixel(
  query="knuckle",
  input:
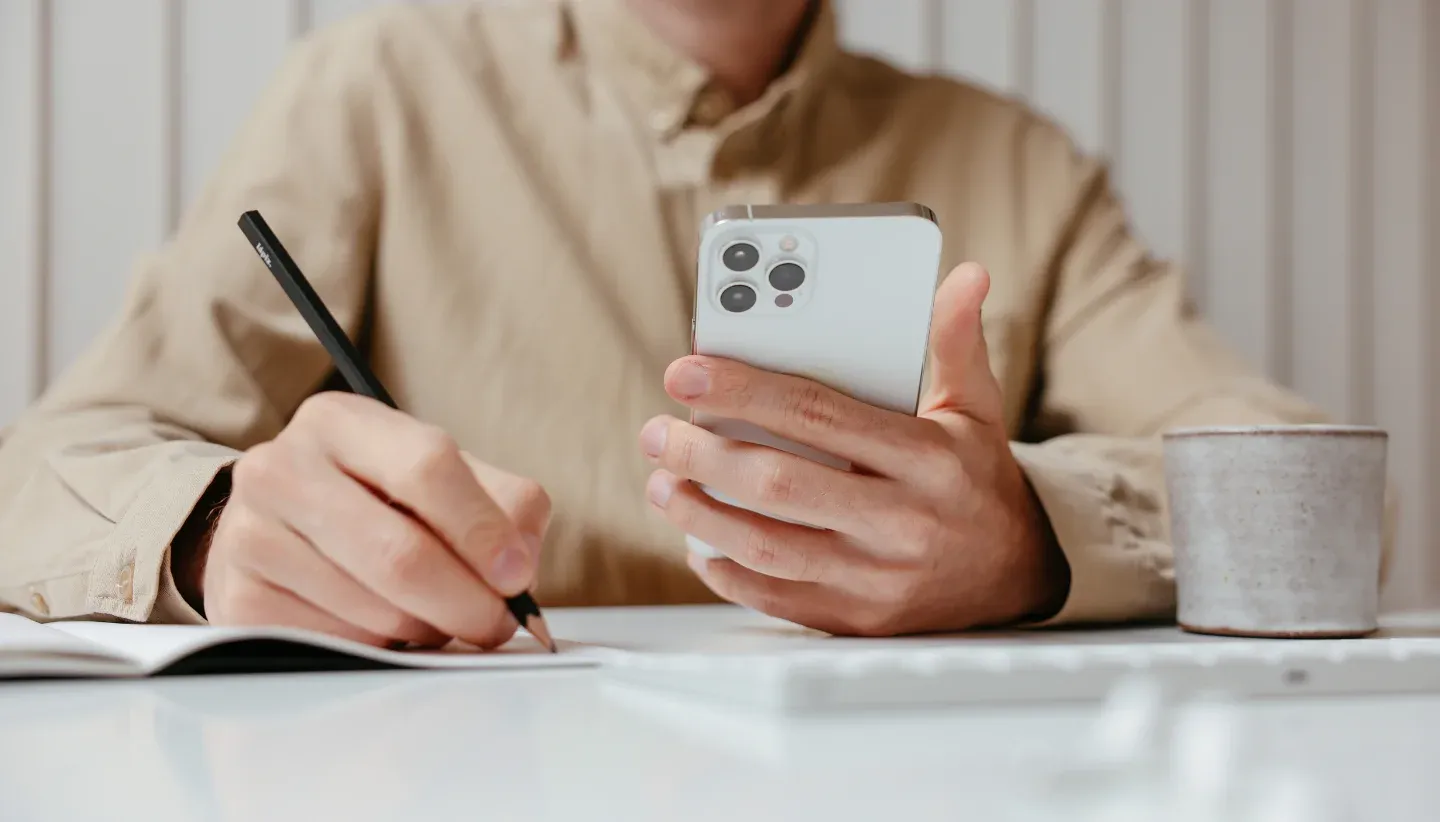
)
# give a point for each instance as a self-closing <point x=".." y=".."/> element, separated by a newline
<point x="898" y="591"/>
<point x="321" y="406"/>
<point x="775" y="482"/>
<point x="809" y="568"/>
<point x="950" y="472"/>
<point x="733" y="386"/>
<point x="240" y="537"/>
<point x="483" y="533"/>
<point x="260" y="467"/>
<point x="914" y="530"/>
<point x="684" y="451"/>
<point x="933" y="448"/>
<point x="532" y="503"/>
<point x="436" y="453"/>
<point x="403" y="555"/>
<point x="761" y="549"/>
<point x="809" y="406"/>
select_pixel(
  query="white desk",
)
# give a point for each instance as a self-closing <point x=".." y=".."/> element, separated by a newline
<point x="559" y="745"/>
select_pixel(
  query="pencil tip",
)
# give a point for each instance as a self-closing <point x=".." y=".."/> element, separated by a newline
<point x="538" y="629"/>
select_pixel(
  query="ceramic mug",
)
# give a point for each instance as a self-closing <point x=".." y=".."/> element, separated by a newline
<point x="1277" y="529"/>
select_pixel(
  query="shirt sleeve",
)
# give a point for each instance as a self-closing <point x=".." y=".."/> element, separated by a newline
<point x="205" y="358"/>
<point x="1123" y="357"/>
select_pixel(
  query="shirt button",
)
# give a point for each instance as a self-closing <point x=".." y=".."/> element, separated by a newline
<point x="41" y="606"/>
<point x="126" y="584"/>
<point x="713" y="107"/>
<point x="662" y="121"/>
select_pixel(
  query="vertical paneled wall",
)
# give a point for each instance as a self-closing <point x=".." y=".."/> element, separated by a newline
<point x="1285" y="150"/>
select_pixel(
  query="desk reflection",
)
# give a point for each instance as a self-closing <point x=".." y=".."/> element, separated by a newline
<point x="493" y="745"/>
<point x="228" y="748"/>
<point x="564" y="745"/>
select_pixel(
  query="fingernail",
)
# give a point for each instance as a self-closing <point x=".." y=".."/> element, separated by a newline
<point x="652" y="438"/>
<point x="510" y="573"/>
<point x="659" y="488"/>
<point x="690" y="381"/>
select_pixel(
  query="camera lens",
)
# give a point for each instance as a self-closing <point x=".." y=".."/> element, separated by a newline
<point x="787" y="277"/>
<point x="738" y="298"/>
<point x="741" y="257"/>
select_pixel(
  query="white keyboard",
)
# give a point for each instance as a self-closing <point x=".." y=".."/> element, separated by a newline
<point x="1038" y="667"/>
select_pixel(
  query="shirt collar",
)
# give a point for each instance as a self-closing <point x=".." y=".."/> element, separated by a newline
<point x="668" y="88"/>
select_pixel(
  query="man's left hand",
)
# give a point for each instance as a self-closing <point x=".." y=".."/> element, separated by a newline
<point x="935" y="529"/>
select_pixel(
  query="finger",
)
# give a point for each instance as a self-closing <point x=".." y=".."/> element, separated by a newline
<point x="383" y="548"/>
<point x="796" y="409"/>
<point x="764" y="545"/>
<point x="814" y="606"/>
<point x="767" y="480"/>
<point x="420" y="468"/>
<point x="960" y="378"/>
<point x="252" y="601"/>
<point x="287" y="560"/>
<point x="522" y="499"/>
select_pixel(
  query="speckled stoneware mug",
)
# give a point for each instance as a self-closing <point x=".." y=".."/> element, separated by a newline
<point x="1277" y="529"/>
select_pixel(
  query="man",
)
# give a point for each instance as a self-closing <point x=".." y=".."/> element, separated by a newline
<point x="502" y="201"/>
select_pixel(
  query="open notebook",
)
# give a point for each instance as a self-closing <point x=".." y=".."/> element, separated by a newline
<point x="88" y="649"/>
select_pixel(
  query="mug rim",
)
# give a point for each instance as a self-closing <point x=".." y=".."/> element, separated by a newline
<point x="1313" y="430"/>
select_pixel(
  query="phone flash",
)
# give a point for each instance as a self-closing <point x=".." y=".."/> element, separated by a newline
<point x="789" y="244"/>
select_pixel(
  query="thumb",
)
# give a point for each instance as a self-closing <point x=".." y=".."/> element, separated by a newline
<point x="960" y="376"/>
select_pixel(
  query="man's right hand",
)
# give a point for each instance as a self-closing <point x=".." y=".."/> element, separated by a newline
<point x="362" y="522"/>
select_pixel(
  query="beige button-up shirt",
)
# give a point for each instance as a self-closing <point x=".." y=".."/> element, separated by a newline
<point x="502" y="201"/>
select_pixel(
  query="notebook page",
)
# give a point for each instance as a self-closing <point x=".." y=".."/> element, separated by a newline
<point x="19" y="635"/>
<point x="28" y="648"/>
<point x="154" y="647"/>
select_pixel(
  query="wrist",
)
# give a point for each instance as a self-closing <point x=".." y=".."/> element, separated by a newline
<point x="1047" y="568"/>
<point x="190" y="549"/>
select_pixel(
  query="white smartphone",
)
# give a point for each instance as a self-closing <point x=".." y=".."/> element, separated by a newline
<point x="839" y="294"/>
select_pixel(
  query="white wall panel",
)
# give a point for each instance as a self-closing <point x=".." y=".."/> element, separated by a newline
<point x="897" y="31"/>
<point x="111" y="159"/>
<point x="326" y="12"/>
<point x="230" y="51"/>
<point x="989" y="41"/>
<point x="1159" y="109"/>
<point x="1328" y="284"/>
<point x="1402" y="279"/>
<point x="1427" y="547"/>
<point x="1074" y="48"/>
<point x="1245" y="253"/>
<point x="23" y="75"/>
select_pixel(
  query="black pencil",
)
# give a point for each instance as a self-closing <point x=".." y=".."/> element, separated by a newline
<point x="352" y="365"/>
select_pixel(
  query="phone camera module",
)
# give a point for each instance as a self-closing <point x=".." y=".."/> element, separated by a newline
<point x="738" y="298"/>
<point x="741" y="257"/>
<point x="787" y="277"/>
